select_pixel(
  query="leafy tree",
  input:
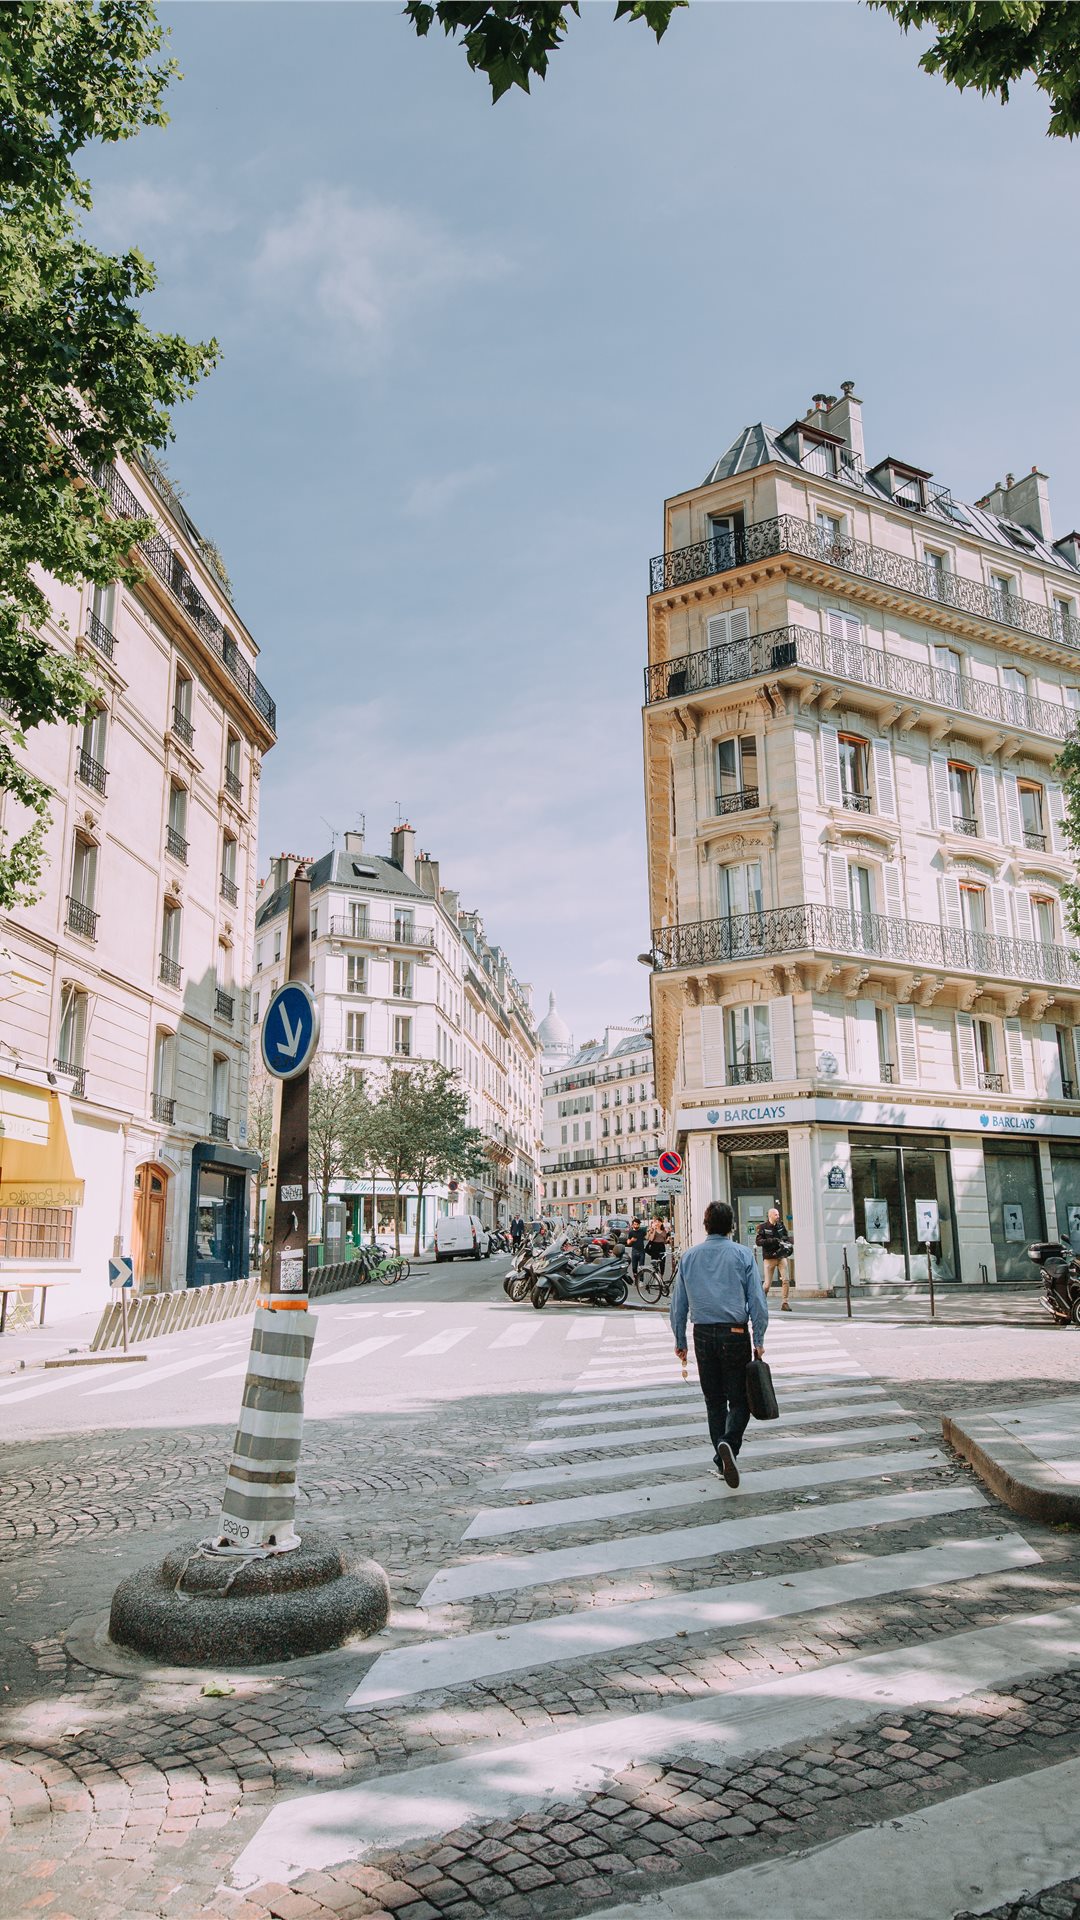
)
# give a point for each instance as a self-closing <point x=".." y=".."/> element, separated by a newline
<point x="419" y="1133"/>
<point x="990" y="44"/>
<point x="1067" y="769"/>
<point x="510" y="43"/>
<point x="339" y="1127"/>
<point x="82" y="378"/>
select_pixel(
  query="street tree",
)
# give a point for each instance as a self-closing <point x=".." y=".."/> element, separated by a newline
<point x="340" y="1133"/>
<point x="83" y="379"/>
<point x="512" y="44"/>
<point x="420" y="1133"/>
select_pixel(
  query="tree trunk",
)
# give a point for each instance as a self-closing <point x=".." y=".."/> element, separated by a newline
<point x="419" y="1215"/>
<point x="397" y="1219"/>
<point x="325" y="1198"/>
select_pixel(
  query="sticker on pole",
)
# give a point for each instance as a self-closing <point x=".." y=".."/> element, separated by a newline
<point x="290" y="1030"/>
<point x="670" y="1161"/>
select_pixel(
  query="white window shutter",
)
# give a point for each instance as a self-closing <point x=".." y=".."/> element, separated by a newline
<point x="907" y="1045"/>
<point x="1051" y="1062"/>
<point x="967" y="1064"/>
<point x="830" y="766"/>
<point x="867" y="1064"/>
<point x="713" y="1065"/>
<point x="939" y="782"/>
<point x="999" y="912"/>
<point x="1015" y="1057"/>
<point x="884" y="785"/>
<point x="782" y="1037"/>
<point x="1055" y="814"/>
<point x="839" y="884"/>
<point x="949" y="889"/>
<point x="716" y="628"/>
<point x="1025" y="926"/>
<point x="739" y="619"/>
<point x="892" y="889"/>
<point x="1014" y="822"/>
<point x="990" y="819"/>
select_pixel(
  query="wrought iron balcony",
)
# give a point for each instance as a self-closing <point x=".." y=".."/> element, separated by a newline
<point x="741" y="802"/>
<point x="182" y="727"/>
<point x="1036" y="842"/>
<point x="101" y="636"/>
<point x="839" y="931"/>
<point x="233" y="784"/>
<point x="77" y="1074"/>
<point x="219" y="1126"/>
<point x="81" y="918"/>
<point x="91" y="772"/>
<point x="224" y="1003"/>
<point x="965" y="823"/>
<point x="1068" y="1090"/>
<point x="163" y="1108"/>
<point x="169" y="971"/>
<point x="887" y="1072"/>
<point x="229" y="889"/>
<point x="804" y="538"/>
<point x="342" y="927"/>
<point x="752" y="1073"/>
<point x="176" y="844"/>
<point x="911" y="681"/>
<point x="991" y="1083"/>
<point x="856" y="802"/>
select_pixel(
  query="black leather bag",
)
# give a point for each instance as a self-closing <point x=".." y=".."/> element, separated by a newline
<point x="760" y="1391"/>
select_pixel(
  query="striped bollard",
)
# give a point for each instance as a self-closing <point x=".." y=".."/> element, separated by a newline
<point x="259" y="1508"/>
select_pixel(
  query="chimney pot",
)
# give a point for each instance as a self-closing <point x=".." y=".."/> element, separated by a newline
<point x="847" y="388"/>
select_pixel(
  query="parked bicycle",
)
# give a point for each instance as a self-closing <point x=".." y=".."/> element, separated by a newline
<point x="653" y="1282"/>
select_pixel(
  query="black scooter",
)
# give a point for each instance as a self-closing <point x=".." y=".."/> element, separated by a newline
<point x="1060" y="1270"/>
<point x="603" y="1285"/>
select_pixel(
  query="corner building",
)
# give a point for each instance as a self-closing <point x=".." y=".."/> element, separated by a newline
<point x="865" y="998"/>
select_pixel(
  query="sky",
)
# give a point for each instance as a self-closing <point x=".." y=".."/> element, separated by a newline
<point x="467" y="351"/>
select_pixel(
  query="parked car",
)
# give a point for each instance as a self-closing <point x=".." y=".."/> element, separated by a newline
<point x="461" y="1236"/>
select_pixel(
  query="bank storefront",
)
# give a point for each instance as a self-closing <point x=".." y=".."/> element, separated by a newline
<point x="905" y="1189"/>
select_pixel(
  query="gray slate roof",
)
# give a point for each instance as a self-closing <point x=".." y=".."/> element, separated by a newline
<point x="363" y="872"/>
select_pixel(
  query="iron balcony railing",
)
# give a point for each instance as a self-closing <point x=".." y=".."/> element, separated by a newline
<point x="909" y="680"/>
<point x="887" y="1072"/>
<point x="101" y="636"/>
<point x="752" y="1073"/>
<point x="224" y="1004"/>
<point x="965" y="823"/>
<point x="229" y="889"/>
<point x="1068" y="1090"/>
<point x="169" y="971"/>
<point x="233" y="784"/>
<point x="841" y="931"/>
<point x="856" y="802"/>
<point x="91" y="772"/>
<point x="991" y="1083"/>
<point x="163" y="1108"/>
<point x="398" y="935"/>
<point x="78" y="1076"/>
<point x="182" y="727"/>
<point x="81" y="918"/>
<point x="788" y="534"/>
<point x="176" y="844"/>
<point x="741" y="802"/>
<point x="219" y="1126"/>
<point x="1036" y="842"/>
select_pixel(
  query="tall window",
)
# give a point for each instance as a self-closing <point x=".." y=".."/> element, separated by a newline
<point x="736" y="774"/>
<point x="403" y="923"/>
<point x="183" y="699"/>
<point x="1031" y="815"/>
<point x="830" y="530"/>
<point x="861" y="887"/>
<point x="989" y="1078"/>
<point x="1045" y="920"/>
<point x="228" y="868"/>
<point x="176" y="833"/>
<point x="403" y="980"/>
<point x="402" y="1034"/>
<point x="947" y="660"/>
<point x="103" y="604"/>
<point x="1003" y="588"/>
<point x="358" y="918"/>
<point x="92" y="749"/>
<point x="1014" y="681"/>
<point x="738" y="890"/>
<point x="886" y="1055"/>
<point x="1064" y="614"/>
<point x="722" y="532"/>
<point x="356" y="973"/>
<point x="164" y="1053"/>
<point x="219" y="1087"/>
<point x="748" y="1044"/>
<point x="171" y="925"/>
<point x="937" y="566"/>
<point x="962" y="793"/>
<point x="854" y="786"/>
<point x="72" y="1037"/>
<point x="973" y="909"/>
<point x="355" y="1029"/>
<point x="841" y="625"/>
<point x="84" y="871"/>
<point x="233" y="783"/>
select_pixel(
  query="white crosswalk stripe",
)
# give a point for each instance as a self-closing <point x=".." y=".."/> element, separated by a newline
<point x="440" y="1342"/>
<point x="696" y="1457"/>
<point x="359" y="1351"/>
<point x="631" y="1436"/>
<point x="660" y="1408"/>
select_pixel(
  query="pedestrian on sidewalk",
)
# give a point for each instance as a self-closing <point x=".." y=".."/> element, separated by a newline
<point x="774" y="1243"/>
<point x="719" y="1288"/>
<point x="635" y="1240"/>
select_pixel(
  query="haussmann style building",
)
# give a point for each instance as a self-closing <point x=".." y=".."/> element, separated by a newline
<point x="603" y="1127"/>
<point x="865" y="994"/>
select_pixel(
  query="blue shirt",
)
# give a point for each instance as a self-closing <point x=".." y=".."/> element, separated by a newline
<point x="718" y="1281"/>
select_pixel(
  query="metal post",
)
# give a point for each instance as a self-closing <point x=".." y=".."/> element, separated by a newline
<point x="123" y="1315"/>
<point x="930" y="1271"/>
<point x="285" y="1248"/>
<point x="847" y="1284"/>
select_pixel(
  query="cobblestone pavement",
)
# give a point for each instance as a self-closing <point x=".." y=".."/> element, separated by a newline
<point x="132" y="1794"/>
<point x="1054" y="1903"/>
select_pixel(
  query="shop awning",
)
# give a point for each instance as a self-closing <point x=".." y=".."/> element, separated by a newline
<point x="36" y="1167"/>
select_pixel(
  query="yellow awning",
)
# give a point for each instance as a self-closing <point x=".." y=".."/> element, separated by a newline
<point x="36" y="1167"/>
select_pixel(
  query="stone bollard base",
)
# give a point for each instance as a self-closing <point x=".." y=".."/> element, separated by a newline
<point x="198" y="1610"/>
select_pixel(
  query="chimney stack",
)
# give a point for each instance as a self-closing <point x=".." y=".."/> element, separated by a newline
<point x="844" y="417"/>
<point x="354" y="840"/>
<point x="427" y="874"/>
<point x="1026" y="501"/>
<point x="403" y="849"/>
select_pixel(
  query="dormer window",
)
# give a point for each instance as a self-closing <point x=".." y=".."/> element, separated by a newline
<point x="908" y="486"/>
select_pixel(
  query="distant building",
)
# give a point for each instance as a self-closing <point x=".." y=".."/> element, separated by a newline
<point x="124" y="1035"/>
<point x="603" y="1127"/>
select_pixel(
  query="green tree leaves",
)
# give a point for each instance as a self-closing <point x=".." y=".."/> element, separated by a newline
<point x="512" y="44"/>
<point x="990" y="44"/>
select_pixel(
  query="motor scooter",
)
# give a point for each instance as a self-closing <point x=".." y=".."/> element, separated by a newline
<point x="1060" y="1268"/>
<point x="602" y="1284"/>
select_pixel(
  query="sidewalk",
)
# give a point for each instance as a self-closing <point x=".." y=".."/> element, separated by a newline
<point x="31" y="1346"/>
<point x="1028" y="1456"/>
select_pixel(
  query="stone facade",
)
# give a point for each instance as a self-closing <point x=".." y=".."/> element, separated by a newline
<point x="603" y="1128"/>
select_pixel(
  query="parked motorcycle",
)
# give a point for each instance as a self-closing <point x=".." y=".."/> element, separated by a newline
<point x="1060" y="1268"/>
<point x="603" y="1284"/>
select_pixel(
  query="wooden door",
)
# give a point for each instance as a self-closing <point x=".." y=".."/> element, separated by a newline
<point x="148" y="1238"/>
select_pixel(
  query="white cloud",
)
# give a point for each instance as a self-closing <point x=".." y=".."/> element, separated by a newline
<point x="436" y="493"/>
<point x="362" y="267"/>
<point x="132" y="213"/>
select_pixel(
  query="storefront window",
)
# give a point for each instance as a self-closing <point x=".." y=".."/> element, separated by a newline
<point x="1065" y="1160"/>
<point x="1014" y="1198"/>
<point x="903" y="1208"/>
<point x="219" y="1216"/>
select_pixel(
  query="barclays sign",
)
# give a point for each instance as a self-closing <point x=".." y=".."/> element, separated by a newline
<point x="1007" y="1122"/>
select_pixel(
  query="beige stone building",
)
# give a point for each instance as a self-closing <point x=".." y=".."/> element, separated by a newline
<point x="123" y="990"/>
<point x="865" y="995"/>
<point x="603" y="1127"/>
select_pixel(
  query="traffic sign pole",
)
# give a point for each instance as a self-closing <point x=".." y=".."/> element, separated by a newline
<point x="285" y="1248"/>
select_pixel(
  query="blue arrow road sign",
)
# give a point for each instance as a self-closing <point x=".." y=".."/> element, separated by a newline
<point x="290" y="1030"/>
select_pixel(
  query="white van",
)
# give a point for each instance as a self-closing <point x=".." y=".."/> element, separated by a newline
<point x="461" y="1236"/>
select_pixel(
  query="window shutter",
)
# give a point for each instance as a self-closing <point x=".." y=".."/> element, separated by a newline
<point x="1015" y="1056"/>
<point x="839" y="884"/>
<point x="892" y="888"/>
<point x="939" y="781"/>
<point x="1014" y="823"/>
<point x="907" y="1045"/>
<point x="949" y="889"/>
<point x="830" y="767"/>
<point x="884" y="785"/>
<point x="990" y="822"/>
<point x="716" y="628"/>
<point x="1051" y="1062"/>
<point x="867" y="1064"/>
<point x="1025" y="926"/>
<point x="1055" y="814"/>
<point x="739" y="619"/>
<point x="713" y="1064"/>
<point x="999" y="912"/>
<point x="967" y="1064"/>
<point x="782" y="1037"/>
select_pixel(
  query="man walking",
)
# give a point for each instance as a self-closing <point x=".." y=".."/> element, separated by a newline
<point x="718" y="1286"/>
<point x="635" y="1240"/>
<point x="774" y="1243"/>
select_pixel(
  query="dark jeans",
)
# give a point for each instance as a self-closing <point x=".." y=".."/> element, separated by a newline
<point x="722" y="1360"/>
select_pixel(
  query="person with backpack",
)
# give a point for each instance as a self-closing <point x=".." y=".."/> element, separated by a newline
<point x="718" y="1288"/>
<point x="774" y="1243"/>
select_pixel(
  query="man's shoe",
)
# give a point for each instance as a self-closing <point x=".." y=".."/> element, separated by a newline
<point x="784" y="1307"/>
<point x="725" y="1460"/>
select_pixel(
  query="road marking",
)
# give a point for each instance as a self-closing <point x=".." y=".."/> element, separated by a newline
<point x="392" y="1811"/>
<point x="630" y="1436"/>
<point x="586" y="1330"/>
<point x="358" y="1351"/>
<point x="507" y="1574"/>
<point x="518" y="1335"/>
<point x="660" y="1409"/>
<point x="985" y="1849"/>
<point x="695" y="1457"/>
<point x="441" y="1342"/>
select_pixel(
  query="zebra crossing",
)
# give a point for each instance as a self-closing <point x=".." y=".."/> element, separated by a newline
<point x="645" y="1513"/>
